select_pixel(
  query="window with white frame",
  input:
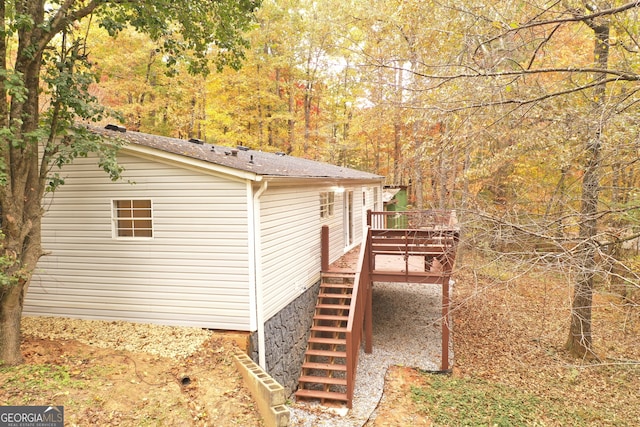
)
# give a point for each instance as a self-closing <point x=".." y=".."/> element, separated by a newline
<point x="327" y="204"/>
<point x="132" y="218"/>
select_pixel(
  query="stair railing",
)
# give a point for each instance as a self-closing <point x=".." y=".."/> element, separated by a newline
<point x="359" y="325"/>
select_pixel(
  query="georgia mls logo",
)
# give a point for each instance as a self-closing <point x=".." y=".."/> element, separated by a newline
<point x="31" y="416"/>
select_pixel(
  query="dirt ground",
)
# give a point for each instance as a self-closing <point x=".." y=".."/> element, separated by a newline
<point x="396" y="408"/>
<point x="510" y="335"/>
<point x="100" y="386"/>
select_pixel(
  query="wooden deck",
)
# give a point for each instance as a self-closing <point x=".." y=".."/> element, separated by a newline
<point x="422" y="254"/>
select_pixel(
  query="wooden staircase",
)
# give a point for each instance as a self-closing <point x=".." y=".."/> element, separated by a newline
<point x="324" y="370"/>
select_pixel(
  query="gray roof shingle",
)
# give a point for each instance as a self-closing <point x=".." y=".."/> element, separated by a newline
<point x="259" y="162"/>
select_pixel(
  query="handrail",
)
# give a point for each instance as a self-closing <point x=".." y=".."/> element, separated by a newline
<point x="434" y="218"/>
<point x="360" y="304"/>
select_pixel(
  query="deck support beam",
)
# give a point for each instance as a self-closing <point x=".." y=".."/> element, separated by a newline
<point x="446" y="330"/>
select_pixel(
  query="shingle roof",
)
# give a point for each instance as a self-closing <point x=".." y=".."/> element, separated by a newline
<point x="241" y="158"/>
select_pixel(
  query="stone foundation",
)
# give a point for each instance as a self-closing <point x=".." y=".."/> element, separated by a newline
<point x="286" y="336"/>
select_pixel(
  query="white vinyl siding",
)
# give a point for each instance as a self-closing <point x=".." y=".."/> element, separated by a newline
<point x="193" y="272"/>
<point x="290" y="235"/>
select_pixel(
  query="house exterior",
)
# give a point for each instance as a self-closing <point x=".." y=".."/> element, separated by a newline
<point x="198" y="235"/>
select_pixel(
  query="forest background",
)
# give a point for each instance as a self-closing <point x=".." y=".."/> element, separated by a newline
<point x="522" y="116"/>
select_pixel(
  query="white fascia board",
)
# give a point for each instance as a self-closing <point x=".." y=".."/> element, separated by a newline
<point x="189" y="163"/>
<point x="324" y="181"/>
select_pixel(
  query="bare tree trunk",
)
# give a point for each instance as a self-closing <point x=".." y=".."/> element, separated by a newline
<point x="11" y="302"/>
<point x="417" y="135"/>
<point x="291" y="122"/>
<point x="580" y="341"/>
<point x="444" y="174"/>
<point x="397" y="127"/>
<point x="397" y="136"/>
<point x="22" y="193"/>
<point x="4" y="106"/>
<point x="307" y="104"/>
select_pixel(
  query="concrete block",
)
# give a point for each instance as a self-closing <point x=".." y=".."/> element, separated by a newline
<point x="268" y="394"/>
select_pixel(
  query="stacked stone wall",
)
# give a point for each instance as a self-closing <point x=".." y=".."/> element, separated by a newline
<point x="286" y="336"/>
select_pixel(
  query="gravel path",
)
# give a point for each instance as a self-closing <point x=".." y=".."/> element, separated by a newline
<point x="406" y="331"/>
<point x="166" y="341"/>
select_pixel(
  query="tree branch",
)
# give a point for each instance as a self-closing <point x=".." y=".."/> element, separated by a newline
<point x="63" y="16"/>
<point x="622" y="75"/>
<point x="574" y="18"/>
<point x="544" y="42"/>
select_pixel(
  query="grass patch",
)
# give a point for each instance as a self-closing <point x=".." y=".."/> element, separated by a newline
<point x="39" y="377"/>
<point x="476" y="402"/>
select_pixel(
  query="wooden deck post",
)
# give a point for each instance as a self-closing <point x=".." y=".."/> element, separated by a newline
<point x="368" y="314"/>
<point x="444" y="362"/>
<point x="324" y="248"/>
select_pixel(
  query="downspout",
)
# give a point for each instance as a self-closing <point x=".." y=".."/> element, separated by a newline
<point x="257" y="259"/>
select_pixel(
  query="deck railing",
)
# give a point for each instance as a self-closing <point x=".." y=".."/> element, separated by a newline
<point x="412" y="220"/>
<point x="357" y="326"/>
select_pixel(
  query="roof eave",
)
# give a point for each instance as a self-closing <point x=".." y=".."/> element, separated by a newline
<point x="321" y="180"/>
<point x="189" y="162"/>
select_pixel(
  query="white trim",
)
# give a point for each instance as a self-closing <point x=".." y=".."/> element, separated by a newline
<point x="115" y="218"/>
<point x="251" y="242"/>
<point x="348" y="225"/>
<point x="259" y="285"/>
<point x="327" y="205"/>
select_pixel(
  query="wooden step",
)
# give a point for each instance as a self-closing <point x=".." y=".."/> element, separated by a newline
<point x="333" y="306"/>
<point x="333" y="295"/>
<point x="334" y="341"/>
<point x="342" y="282"/>
<point x="336" y="285"/>
<point x="330" y="317"/>
<point x="322" y="380"/>
<point x="322" y="395"/>
<point x="324" y="366"/>
<point x="338" y="275"/>
<point x="322" y="328"/>
<point x="326" y="353"/>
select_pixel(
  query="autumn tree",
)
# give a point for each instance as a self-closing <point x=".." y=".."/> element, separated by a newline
<point x="529" y="86"/>
<point x="253" y="106"/>
<point x="44" y="82"/>
<point x="140" y="89"/>
<point x="523" y="113"/>
<point x="297" y="91"/>
<point x="606" y="85"/>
